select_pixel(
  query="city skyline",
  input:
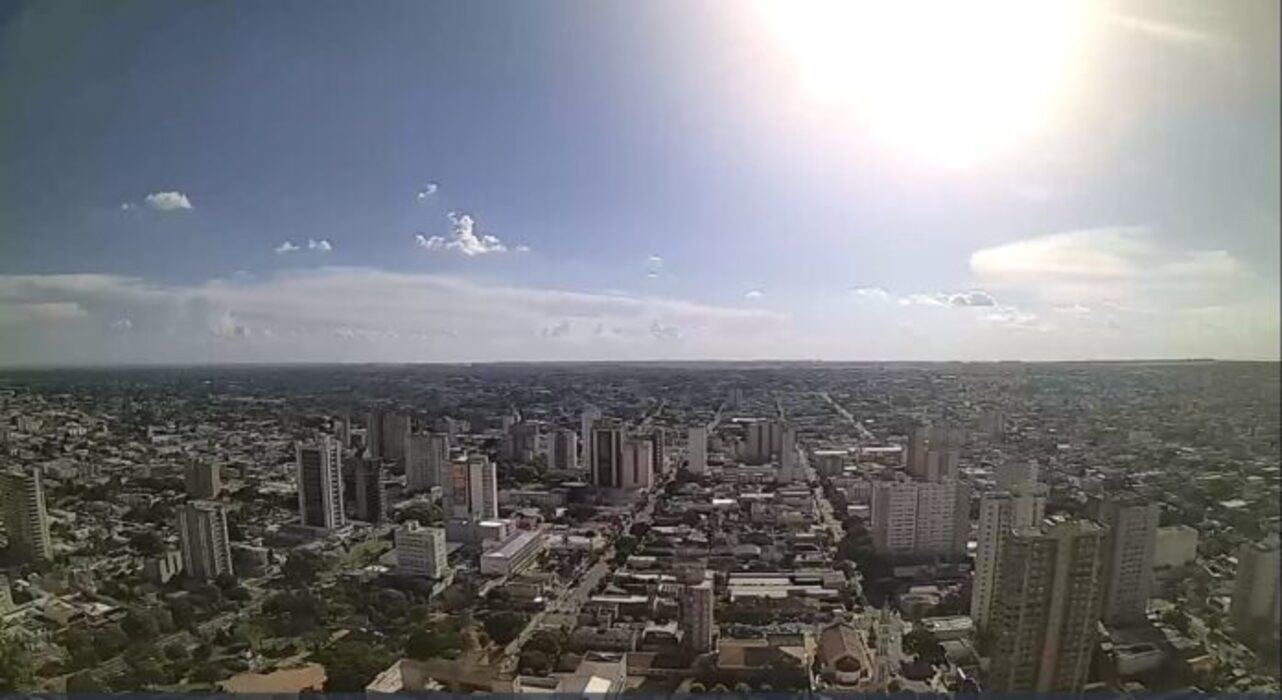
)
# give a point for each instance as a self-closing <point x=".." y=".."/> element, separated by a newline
<point x="664" y="181"/>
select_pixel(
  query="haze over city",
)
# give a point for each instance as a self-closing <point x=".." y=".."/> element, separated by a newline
<point x="284" y="182"/>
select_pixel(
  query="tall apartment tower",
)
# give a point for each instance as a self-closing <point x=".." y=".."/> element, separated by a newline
<point x="659" y="442"/>
<point x="638" y="463"/>
<point x="371" y="498"/>
<point x="320" y="484"/>
<point x="26" y="520"/>
<point x="474" y="488"/>
<point x="563" y="449"/>
<point x="426" y="458"/>
<point x="934" y="452"/>
<point x="1256" y="606"/>
<point x="789" y="469"/>
<point x="206" y="548"/>
<point x="1020" y="503"/>
<point x="697" y="615"/>
<point x="385" y="436"/>
<point x="697" y="450"/>
<point x="606" y="463"/>
<point x="591" y="414"/>
<point x="916" y="520"/>
<point x="1050" y="585"/>
<point x="203" y="480"/>
<point x="420" y="551"/>
<point x="1128" y="556"/>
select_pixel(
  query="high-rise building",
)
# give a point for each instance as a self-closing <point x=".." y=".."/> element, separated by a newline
<point x="659" y="441"/>
<point x="591" y="414"/>
<point x="426" y="458"/>
<point x="203" y="480"/>
<point x="1050" y="585"/>
<point x="606" y="463"/>
<point x="385" y="436"/>
<point x="26" y="520"/>
<point x="789" y="469"/>
<point x="371" y="497"/>
<point x="638" y="463"/>
<point x="697" y="615"/>
<point x="523" y="441"/>
<point x="206" y="548"/>
<point x="697" y="450"/>
<point x="320" y="484"/>
<point x="563" y="449"/>
<point x="916" y="520"/>
<point x="934" y="452"/>
<point x="763" y="441"/>
<point x="1021" y="503"/>
<point x="420" y="551"/>
<point x="1128" y="555"/>
<point x="1256" y="606"/>
<point x="474" y="488"/>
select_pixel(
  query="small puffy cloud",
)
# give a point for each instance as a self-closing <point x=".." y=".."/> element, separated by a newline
<point x="522" y="249"/>
<point x="876" y="293"/>
<point x="126" y="206"/>
<point x="661" y="331"/>
<point x="463" y="239"/>
<point x="924" y="300"/>
<point x="653" y="266"/>
<point x="427" y="191"/>
<point x="974" y="298"/>
<point x="168" y="201"/>
<point x="558" y="330"/>
<point x="753" y="294"/>
<point x="323" y="245"/>
<point x="286" y="247"/>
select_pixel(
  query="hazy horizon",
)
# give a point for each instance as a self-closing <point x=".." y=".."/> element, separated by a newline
<point x="464" y="183"/>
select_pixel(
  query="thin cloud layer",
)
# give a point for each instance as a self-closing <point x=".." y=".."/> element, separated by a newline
<point x="1114" y="264"/>
<point x="336" y="314"/>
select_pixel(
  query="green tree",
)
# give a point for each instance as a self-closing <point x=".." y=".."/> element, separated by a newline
<point x="17" y="668"/>
<point x="924" y="645"/>
<point x="504" y="626"/>
<point x="301" y="567"/>
<point x="149" y="543"/>
<point x="139" y="623"/>
<point x="425" y="644"/>
<point x="350" y="666"/>
<point x="85" y="682"/>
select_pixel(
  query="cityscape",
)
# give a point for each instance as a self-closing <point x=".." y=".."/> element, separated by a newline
<point x="654" y="527"/>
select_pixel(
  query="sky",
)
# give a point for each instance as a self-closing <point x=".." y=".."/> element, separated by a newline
<point x="675" y="179"/>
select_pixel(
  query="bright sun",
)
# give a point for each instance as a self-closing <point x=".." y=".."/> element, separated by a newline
<point x="957" y="82"/>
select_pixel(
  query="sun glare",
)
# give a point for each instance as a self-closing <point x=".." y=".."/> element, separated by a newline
<point x="954" y="82"/>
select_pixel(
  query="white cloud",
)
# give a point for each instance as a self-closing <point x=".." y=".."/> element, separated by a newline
<point x="168" y="201"/>
<point x="1118" y="264"/>
<point x="653" y="266"/>
<point x="924" y="300"/>
<point x="286" y="247"/>
<point x="753" y="294"/>
<point x="972" y="298"/>
<point x="876" y="293"/>
<point x="522" y="249"/>
<point x="322" y="245"/>
<point x="428" y="190"/>
<point x="343" y="314"/>
<point x="463" y="238"/>
<point x="126" y="206"/>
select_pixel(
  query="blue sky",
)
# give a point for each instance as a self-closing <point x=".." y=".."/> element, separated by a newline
<point x="657" y="179"/>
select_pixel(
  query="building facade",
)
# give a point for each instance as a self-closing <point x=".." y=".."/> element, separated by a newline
<point x="1050" y="586"/>
<point x="206" y="548"/>
<point x="421" y="551"/>
<point x="426" y="458"/>
<point x="203" y="481"/>
<point x="320" y="484"/>
<point x="474" y="488"/>
<point x="697" y="616"/>
<point x="697" y="450"/>
<point x="1128" y="556"/>
<point x="25" y="516"/>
